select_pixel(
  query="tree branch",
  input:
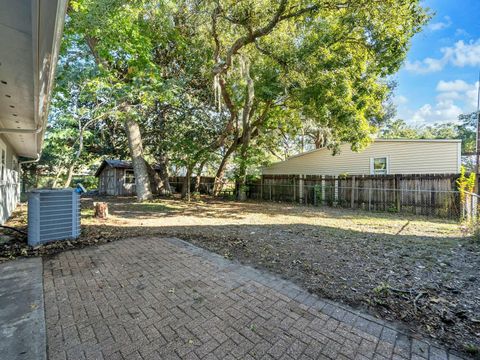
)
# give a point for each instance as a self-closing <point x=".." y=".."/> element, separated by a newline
<point x="221" y="68"/>
<point x="280" y="61"/>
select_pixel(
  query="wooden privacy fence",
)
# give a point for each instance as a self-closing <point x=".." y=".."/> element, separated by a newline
<point x="425" y="194"/>
<point x="206" y="183"/>
<point x="470" y="211"/>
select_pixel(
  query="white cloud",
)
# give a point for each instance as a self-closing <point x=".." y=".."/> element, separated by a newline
<point x="442" y="111"/>
<point x="449" y="95"/>
<point x="461" y="54"/>
<point x="461" y="32"/>
<point x="456" y="85"/>
<point x="453" y="98"/>
<point x="459" y="90"/>
<point x="441" y="24"/>
<point x="400" y="100"/>
<point x="425" y="66"/>
<point x="472" y="98"/>
<point x="464" y="54"/>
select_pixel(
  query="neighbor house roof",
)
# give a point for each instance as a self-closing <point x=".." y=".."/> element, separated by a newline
<point x="118" y="164"/>
<point x="30" y="34"/>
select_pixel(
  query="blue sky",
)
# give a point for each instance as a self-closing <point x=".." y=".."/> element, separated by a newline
<point x="439" y="78"/>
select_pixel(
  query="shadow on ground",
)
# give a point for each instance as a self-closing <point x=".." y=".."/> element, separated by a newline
<point x="127" y="207"/>
<point x="431" y="284"/>
<point x="410" y="269"/>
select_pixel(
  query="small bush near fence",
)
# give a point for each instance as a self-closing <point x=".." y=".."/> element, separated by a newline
<point x="432" y="195"/>
<point x="471" y="214"/>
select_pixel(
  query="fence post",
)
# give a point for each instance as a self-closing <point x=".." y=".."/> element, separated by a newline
<point x="335" y="190"/>
<point x="261" y="188"/>
<point x="369" y="199"/>
<point x="323" y="190"/>
<point x="398" y="202"/>
<point x="294" y="189"/>
<point x="475" y="207"/>
<point x="352" y="195"/>
<point x="300" y="189"/>
<point x="270" y="187"/>
<point x="471" y="208"/>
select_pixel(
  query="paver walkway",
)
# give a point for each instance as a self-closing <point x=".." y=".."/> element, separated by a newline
<point x="22" y="322"/>
<point x="166" y="299"/>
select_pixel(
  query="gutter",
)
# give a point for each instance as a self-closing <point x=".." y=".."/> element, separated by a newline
<point x="30" y="161"/>
<point x="21" y="131"/>
<point x="42" y="108"/>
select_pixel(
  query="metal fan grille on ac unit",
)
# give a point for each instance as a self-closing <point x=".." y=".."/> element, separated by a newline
<point x="53" y="215"/>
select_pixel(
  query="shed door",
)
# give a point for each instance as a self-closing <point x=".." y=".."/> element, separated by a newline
<point x="110" y="186"/>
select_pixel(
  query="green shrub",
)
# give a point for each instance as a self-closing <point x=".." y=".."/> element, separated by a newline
<point x="465" y="184"/>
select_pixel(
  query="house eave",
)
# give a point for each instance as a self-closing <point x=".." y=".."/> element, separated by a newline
<point x="30" y="36"/>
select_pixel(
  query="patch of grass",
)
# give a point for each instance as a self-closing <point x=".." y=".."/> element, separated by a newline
<point x="472" y="349"/>
<point x="151" y="207"/>
<point x="88" y="212"/>
<point x="382" y="289"/>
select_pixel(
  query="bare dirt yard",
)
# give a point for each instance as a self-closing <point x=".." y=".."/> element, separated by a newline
<point x="418" y="271"/>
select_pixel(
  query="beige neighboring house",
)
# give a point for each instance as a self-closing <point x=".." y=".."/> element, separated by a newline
<point x="30" y="34"/>
<point x="382" y="157"/>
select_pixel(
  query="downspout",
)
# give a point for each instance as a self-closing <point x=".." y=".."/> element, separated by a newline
<point x="30" y="161"/>
<point x="20" y="163"/>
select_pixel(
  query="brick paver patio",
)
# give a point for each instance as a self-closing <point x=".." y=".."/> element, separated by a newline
<point x="166" y="299"/>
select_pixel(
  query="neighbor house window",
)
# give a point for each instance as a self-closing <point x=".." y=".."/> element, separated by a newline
<point x="129" y="177"/>
<point x="379" y="166"/>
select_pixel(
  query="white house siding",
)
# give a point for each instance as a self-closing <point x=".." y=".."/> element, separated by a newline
<point x="404" y="157"/>
<point x="9" y="182"/>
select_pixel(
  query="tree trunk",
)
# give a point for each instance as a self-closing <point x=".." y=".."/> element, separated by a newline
<point x="163" y="173"/>
<point x="246" y="116"/>
<point x="101" y="210"/>
<point x="69" y="176"/>
<point x="198" y="179"/>
<point x="77" y="154"/>
<point x="242" y="169"/>
<point x="218" y="185"/>
<point x="142" y="181"/>
<point x="186" y="183"/>
<point x="154" y="178"/>
<point x="159" y="180"/>
<point x="81" y="130"/>
<point x="303" y="140"/>
<point x="57" y="177"/>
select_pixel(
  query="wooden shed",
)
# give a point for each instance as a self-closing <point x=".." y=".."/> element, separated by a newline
<point x="116" y="177"/>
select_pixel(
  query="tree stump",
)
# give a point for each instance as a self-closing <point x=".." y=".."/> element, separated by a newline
<point x="101" y="210"/>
